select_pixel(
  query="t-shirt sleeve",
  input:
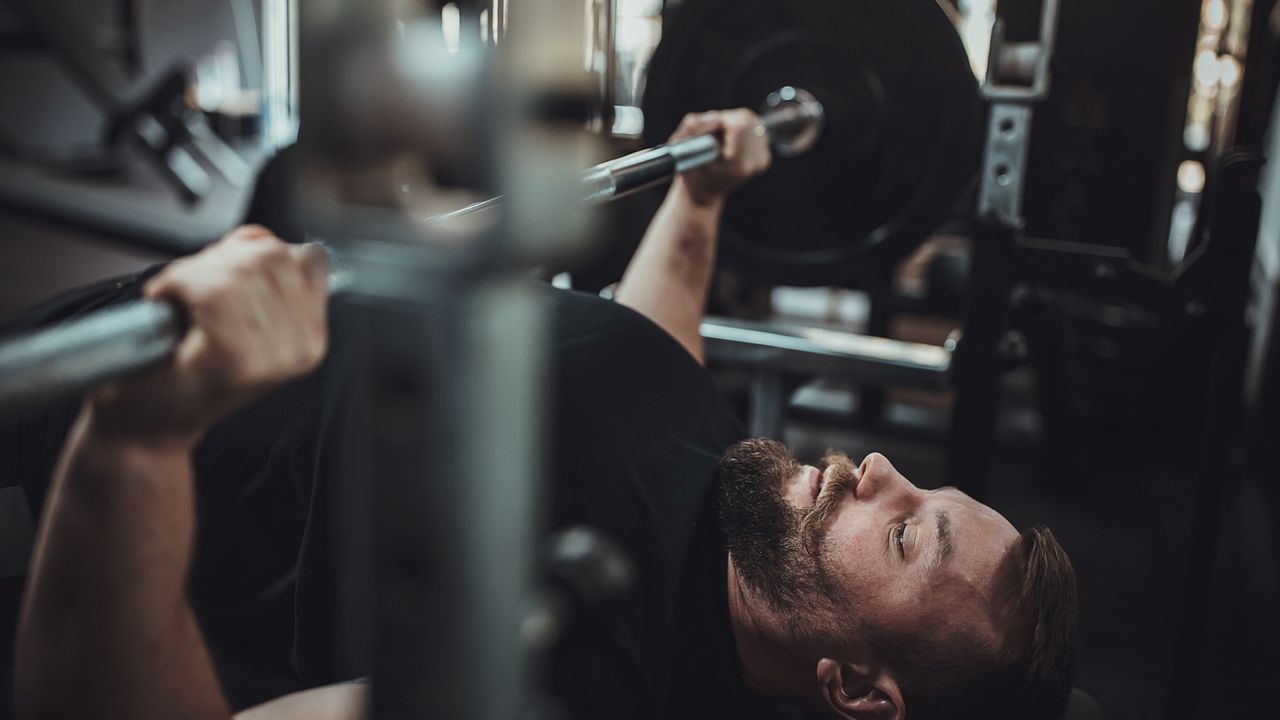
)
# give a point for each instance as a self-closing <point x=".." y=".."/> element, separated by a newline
<point x="31" y="442"/>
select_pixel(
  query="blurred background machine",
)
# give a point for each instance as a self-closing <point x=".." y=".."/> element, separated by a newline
<point x="1073" y="315"/>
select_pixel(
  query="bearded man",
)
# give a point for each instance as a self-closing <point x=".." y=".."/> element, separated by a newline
<point x="840" y="588"/>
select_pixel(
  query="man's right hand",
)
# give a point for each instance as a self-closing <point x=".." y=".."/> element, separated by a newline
<point x="255" y="308"/>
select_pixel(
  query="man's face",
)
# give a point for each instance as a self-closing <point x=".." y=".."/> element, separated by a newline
<point x="869" y="547"/>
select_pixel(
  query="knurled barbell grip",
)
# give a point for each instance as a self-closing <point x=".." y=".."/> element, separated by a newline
<point x="649" y="167"/>
<point x="60" y="362"/>
<point x="63" y="361"/>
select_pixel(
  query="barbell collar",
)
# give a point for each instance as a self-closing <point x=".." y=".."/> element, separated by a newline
<point x="794" y="119"/>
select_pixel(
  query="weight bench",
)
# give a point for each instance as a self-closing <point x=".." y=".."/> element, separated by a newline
<point x="772" y="349"/>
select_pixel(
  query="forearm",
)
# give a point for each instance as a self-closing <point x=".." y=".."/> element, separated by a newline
<point x="106" y="628"/>
<point x="670" y="275"/>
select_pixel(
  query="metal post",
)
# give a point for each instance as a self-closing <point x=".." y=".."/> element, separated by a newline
<point x="768" y="404"/>
<point x="1017" y="79"/>
<point x="454" y="460"/>
<point x="452" y="450"/>
<point x="1234" y="222"/>
<point x="872" y="398"/>
<point x="971" y="441"/>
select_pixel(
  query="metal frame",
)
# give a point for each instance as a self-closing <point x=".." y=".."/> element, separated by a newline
<point x="178" y="146"/>
<point x="456" y="349"/>
<point x="788" y="347"/>
<point x="1017" y="79"/>
<point x="772" y="349"/>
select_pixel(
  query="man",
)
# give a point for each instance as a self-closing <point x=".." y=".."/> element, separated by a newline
<point x="842" y="589"/>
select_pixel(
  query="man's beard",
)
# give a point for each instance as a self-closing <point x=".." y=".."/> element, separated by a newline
<point x="777" y="548"/>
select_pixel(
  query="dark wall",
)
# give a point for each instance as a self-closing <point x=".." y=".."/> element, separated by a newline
<point x="44" y="108"/>
<point x="44" y="113"/>
<point x="39" y="258"/>
<point x="1102" y="149"/>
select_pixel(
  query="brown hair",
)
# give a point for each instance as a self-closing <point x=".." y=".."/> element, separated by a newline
<point x="1030" y="678"/>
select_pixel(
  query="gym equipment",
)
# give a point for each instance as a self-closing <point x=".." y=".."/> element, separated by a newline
<point x="772" y="350"/>
<point x="442" y="563"/>
<point x="62" y="361"/>
<point x="174" y="139"/>
<point x="587" y="574"/>
<point x="903" y="127"/>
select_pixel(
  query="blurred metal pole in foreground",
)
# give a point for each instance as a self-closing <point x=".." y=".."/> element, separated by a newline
<point x="441" y="561"/>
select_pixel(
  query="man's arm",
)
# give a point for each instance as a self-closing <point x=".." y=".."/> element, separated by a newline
<point x="670" y="274"/>
<point x="106" y="628"/>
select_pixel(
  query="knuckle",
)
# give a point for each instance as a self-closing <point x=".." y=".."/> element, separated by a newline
<point x="316" y="350"/>
<point x="268" y="257"/>
<point x="274" y="249"/>
<point x="245" y="270"/>
<point x="312" y="258"/>
<point x="250" y="232"/>
<point x="207" y="294"/>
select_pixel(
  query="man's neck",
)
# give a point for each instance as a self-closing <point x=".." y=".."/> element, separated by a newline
<point x="770" y="664"/>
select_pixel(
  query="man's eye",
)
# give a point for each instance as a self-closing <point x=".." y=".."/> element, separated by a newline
<point x="899" y="533"/>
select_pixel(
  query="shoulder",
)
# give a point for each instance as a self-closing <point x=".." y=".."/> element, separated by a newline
<point x="578" y="313"/>
<point x="602" y="336"/>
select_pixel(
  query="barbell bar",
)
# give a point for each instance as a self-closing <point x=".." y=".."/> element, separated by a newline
<point x="792" y="117"/>
<point x="60" y="362"/>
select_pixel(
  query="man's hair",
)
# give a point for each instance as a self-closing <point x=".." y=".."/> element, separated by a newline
<point x="1028" y="678"/>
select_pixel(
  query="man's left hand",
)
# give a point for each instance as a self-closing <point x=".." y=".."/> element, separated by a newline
<point x="744" y="152"/>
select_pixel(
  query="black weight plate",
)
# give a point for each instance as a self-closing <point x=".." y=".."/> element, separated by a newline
<point x="902" y="139"/>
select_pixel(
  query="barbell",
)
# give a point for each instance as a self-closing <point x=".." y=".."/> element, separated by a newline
<point x="56" y="363"/>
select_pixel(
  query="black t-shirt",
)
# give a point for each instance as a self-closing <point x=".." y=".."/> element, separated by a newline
<point x="638" y="429"/>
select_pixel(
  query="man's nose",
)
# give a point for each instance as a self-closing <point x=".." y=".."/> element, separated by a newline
<point x="879" y="479"/>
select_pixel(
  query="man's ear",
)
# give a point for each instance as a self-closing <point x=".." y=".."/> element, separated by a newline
<point x="860" y="692"/>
